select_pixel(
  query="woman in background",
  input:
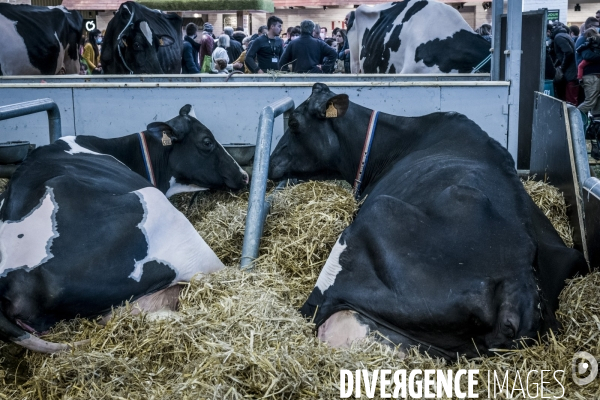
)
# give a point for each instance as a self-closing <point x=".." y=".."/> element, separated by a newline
<point x="91" y="52"/>
<point x="343" y="49"/>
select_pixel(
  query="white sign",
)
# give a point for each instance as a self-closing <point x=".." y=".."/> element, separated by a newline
<point x="90" y="26"/>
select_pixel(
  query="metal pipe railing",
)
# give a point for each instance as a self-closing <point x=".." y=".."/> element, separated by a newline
<point x="35" y="106"/>
<point x="257" y="207"/>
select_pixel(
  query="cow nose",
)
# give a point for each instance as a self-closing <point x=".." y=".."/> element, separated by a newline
<point x="245" y="177"/>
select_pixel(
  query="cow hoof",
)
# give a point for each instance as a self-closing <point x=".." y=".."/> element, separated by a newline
<point x="342" y="328"/>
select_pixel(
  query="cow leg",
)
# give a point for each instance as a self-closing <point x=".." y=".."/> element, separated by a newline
<point x="159" y="305"/>
<point x="342" y="328"/>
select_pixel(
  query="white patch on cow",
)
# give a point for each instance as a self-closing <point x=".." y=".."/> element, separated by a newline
<point x="416" y="31"/>
<point x="172" y="240"/>
<point x="146" y="31"/>
<point x="175" y="188"/>
<point x="192" y="113"/>
<point x="77" y="148"/>
<point x="1" y="204"/>
<point x="232" y="159"/>
<point x="14" y="59"/>
<point x="60" y="64"/>
<point x="26" y="244"/>
<point x="341" y="329"/>
<point x="331" y="268"/>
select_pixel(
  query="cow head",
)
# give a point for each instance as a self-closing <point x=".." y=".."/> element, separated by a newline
<point x="310" y="147"/>
<point x="195" y="157"/>
<point x="138" y="49"/>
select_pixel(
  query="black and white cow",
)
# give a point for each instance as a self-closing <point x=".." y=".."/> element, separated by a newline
<point x="447" y="251"/>
<point x="83" y="230"/>
<point x="413" y="36"/>
<point x="139" y="40"/>
<point x="39" y="40"/>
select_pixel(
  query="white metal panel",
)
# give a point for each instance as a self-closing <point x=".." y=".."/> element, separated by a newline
<point x="34" y="127"/>
<point x="231" y="112"/>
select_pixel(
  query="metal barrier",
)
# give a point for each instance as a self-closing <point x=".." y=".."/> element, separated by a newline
<point x="258" y="208"/>
<point x="559" y="154"/>
<point x="35" y="106"/>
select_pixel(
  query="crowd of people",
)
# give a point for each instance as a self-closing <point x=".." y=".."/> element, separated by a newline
<point x="573" y="63"/>
<point x="306" y="48"/>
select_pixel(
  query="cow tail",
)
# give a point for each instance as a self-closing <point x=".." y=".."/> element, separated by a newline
<point x="17" y="335"/>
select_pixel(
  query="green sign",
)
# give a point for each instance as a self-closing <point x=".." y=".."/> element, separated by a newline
<point x="553" y="15"/>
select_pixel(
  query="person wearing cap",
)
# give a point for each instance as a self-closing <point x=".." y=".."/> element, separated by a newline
<point x="207" y="43"/>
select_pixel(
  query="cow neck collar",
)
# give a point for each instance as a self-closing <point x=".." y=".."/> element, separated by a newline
<point x="146" y="158"/>
<point x="364" y="158"/>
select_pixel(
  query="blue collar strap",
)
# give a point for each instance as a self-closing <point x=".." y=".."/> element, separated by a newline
<point x="362" y="166"/>
<point x="146" y="158"/>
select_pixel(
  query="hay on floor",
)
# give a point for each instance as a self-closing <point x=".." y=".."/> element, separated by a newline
<point x="239" y="335"/>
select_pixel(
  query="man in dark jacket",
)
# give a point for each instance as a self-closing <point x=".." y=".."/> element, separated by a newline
<point x="564" y="48"/>
<point x="265" y="51"/>
<point x="590" y="53"/>
<point x="307" y="54"/>
<point x="189" y="60"/>
<point x="235" y="48"/>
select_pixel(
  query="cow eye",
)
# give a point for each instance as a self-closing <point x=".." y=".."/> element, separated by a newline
<point x="207" y="143"/>
<point x="136" y="46"/>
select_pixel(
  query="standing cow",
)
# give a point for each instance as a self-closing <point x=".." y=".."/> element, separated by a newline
<point x="82" y="229"/>
<point x="139" y="40"/>
<point x="39" y="40"/>
<point x="413" y="36"/>
<point x="447" y="251"/>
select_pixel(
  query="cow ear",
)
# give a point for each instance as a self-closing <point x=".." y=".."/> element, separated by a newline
<point x="336" y="106"/>
<point x="161" y="131"/>
<point x="187" y="110"/>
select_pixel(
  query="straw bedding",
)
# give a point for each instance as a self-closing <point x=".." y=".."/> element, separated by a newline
<point x="239" y="335"/>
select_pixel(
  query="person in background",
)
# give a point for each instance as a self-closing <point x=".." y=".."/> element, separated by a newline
<point x="239" y="34"/>
<point x="343" y="49"/>
<point x="240" y="64"/>
<point x="235" y="48"/>
<point x="263" y="30"/>
<point x="91" y="52"/>
<point x="334" y="32"/>
<point x="485" y="31"/>
<point x="191" y="49"/>
<point x="574" y="31"/>
<point x="590" y="23"/>
<point x="207" y="45"/>
<point x="220" y="53"/>
<point x="331" y="43"/>
<point x="266" y="49"/>
<point x="564" y="48"/>
<point x="598" y="15"/>
<point x="317" y="32"/>
<point x="307" y="54"/>
<point x="294" y="34"/>
<point x="324" y="33"/>
<point x="589" y="72"/>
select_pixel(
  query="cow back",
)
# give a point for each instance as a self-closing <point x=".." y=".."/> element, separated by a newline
<point x="413" y="37"/>
<point x="35" y="39"/>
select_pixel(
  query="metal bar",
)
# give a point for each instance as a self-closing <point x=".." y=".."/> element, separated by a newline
<point x="257" y="209"/>
<point x="497" y="11"/>
<point x="514" y="25"/>
<point x="35" y="106"/>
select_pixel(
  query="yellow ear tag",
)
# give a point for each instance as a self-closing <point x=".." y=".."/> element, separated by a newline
<point x="331" y="111"/>
<point x="166" y="141"/>
<point x="160" y="42"/>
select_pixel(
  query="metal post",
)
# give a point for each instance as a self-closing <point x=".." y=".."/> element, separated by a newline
<point x="255" y="218"/>
<point x="497" y="10"/>
<point x="514" y="24"/>
<point x="34" y="106"/>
